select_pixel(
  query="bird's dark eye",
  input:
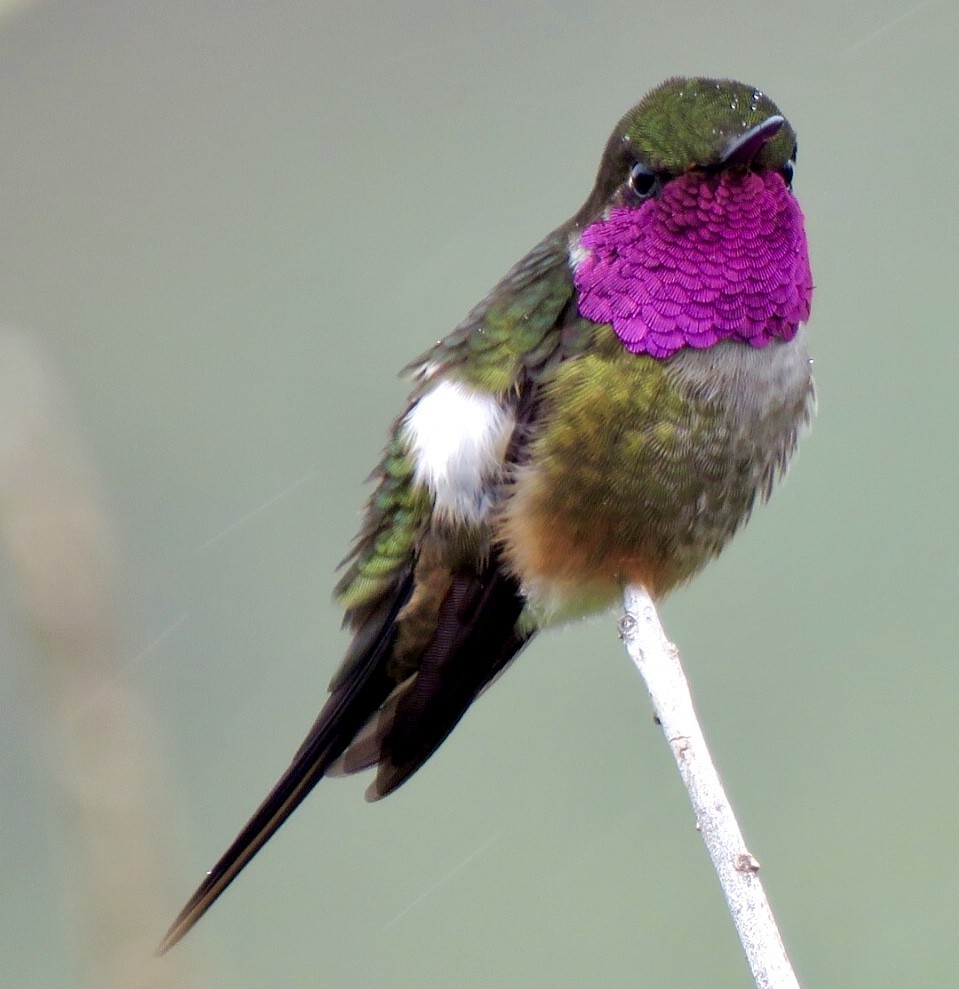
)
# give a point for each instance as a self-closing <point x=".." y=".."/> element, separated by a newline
<point x="643" y="182"/>
<point x="787" y="172"/>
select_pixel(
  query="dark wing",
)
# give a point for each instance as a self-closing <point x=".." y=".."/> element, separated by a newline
<point x="461" y="626"/>
<point x="434" y="614"/>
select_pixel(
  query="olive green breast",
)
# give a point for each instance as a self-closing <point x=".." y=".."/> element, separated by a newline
<point x="642" y="469"/>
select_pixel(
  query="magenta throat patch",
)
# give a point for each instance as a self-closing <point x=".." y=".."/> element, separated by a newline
<point x="712" y="258"/>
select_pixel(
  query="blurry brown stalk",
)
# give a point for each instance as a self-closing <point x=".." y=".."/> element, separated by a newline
<point x="113" y="795"/>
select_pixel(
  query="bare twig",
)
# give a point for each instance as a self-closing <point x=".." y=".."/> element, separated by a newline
<point x="657" y="660"/>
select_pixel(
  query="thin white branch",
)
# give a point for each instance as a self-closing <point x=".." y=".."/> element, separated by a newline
<point x="657" y="660"/>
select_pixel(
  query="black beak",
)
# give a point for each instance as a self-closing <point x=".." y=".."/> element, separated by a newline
<point x="742" y="150"/>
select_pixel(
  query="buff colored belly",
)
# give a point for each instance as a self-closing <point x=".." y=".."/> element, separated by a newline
<point x="644" y="469"/>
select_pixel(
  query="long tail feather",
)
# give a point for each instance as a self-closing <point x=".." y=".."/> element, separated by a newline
<point x="357" y="694"/>
<point x="368" y="720"/>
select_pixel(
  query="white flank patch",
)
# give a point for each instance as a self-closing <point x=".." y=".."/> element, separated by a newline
<point x="577" y="253"/>
<point x="458" y="438"/>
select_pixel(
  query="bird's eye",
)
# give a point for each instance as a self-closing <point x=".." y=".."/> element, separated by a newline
<point x="643" y="182"/>
<point x="787" y="172"/>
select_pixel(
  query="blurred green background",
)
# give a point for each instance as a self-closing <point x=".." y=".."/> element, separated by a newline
<point x="231" y="223"/>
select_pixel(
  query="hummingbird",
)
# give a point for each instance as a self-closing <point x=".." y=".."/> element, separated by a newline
<point x="608" y="415"/>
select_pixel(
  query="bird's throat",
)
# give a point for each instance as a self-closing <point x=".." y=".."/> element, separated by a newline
<point x="713" y="257"/>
